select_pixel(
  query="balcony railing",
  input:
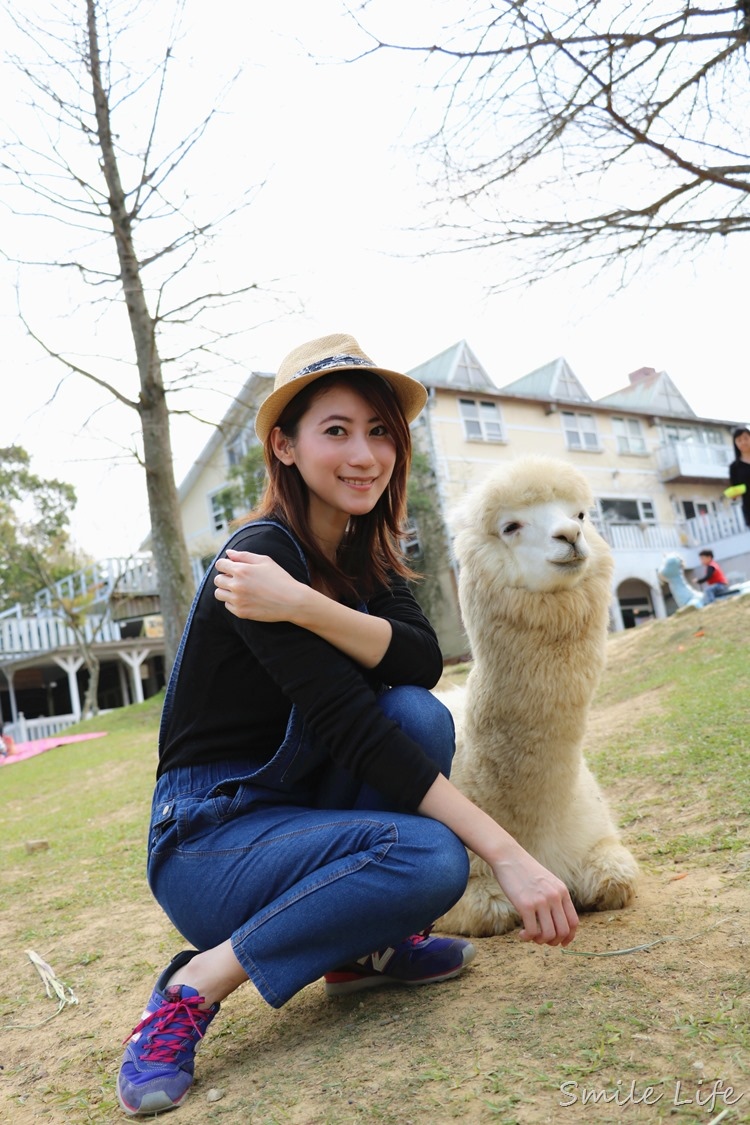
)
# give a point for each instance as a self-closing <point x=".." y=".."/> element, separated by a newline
<point x="641" y="536"/>
<point x="692" y="460"/>
<point x="698" y="532"/>
<point x="20" y="634"/>
<point x="135" y="574"/>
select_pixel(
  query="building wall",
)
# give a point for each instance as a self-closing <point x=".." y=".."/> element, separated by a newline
<point x="200" y="533"/>
<point x="530" y="427"/>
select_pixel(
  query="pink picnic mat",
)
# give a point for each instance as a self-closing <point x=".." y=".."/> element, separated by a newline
<point x="25" y="750"/>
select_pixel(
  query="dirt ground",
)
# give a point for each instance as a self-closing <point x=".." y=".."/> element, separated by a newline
<point x="526" y="1035"/>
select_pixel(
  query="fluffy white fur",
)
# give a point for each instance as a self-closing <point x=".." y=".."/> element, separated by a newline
<point x="534" y="588"/>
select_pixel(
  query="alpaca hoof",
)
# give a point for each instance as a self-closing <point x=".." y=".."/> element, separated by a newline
<point x="479" y="914"/>
<point x="616" y="896"/>
<point x="609" y="882"/>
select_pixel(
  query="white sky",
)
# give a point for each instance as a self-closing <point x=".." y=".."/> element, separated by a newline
<point x="341" y="191"/>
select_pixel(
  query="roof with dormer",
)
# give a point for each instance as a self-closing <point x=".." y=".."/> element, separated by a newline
<point x="456" y="368"/>
<point x="650" y="392"/>
<point x="555" y="380"/>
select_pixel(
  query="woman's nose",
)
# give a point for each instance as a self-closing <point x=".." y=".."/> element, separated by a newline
<point x="360" y="452"/>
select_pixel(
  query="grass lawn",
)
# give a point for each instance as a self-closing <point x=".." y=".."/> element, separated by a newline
<point x="526" y="1035"/>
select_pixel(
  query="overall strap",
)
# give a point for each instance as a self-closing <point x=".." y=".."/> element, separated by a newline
<point x="172" y="685"/>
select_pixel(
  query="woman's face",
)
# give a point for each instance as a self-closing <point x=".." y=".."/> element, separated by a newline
<point x="344" y="455"/>
<point x="742" y="441"/>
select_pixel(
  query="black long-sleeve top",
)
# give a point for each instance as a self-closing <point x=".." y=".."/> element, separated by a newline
<point x="739" y="473"/>
<point x="239" y="679"/>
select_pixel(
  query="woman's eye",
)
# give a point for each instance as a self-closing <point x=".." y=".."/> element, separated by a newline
<point x="379" y="431"/>
<point x="335" y="431"/>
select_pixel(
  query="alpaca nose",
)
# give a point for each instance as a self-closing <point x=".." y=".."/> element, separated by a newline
<point x="568" y="532"/>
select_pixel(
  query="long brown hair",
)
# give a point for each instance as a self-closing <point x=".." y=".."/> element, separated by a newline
<point x="371" y="544"/>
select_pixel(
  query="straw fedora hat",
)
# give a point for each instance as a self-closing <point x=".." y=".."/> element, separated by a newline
<point x="321" y="357"/>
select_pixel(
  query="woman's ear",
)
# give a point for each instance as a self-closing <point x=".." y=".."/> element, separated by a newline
<point x="282" y="446"/>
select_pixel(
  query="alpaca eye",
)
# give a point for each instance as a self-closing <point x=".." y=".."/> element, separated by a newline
<point x="511" y="527"/>
<point x="581" y="516"/>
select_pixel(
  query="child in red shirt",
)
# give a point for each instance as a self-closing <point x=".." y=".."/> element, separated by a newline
<point x="716" y="585"/>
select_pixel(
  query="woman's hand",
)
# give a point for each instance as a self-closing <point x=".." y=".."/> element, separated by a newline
<point x="256" y="588"/>
<point x="548" y="916"/>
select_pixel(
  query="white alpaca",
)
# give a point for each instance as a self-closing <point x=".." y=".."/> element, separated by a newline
<point x="534" y="588"/>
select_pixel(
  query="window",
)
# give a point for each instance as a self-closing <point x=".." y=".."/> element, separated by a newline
<point x="580" y="431"/>
<point x="482" y="420"/>
<point x="629" y="435"/>
<point x="701" y="435"/>
<point x="238" y="446"/>
<point x="222" y="509"/>
<point x="620" y="510"/>
<point x="693" y="508"/>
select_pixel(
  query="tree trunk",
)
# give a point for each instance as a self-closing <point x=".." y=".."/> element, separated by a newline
<point x="91" y="702"/>
<point x="167" y="536"/>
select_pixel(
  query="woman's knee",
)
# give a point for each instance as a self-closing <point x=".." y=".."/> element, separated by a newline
<point x="423" y="718"/>
<point x="438" y="867"/>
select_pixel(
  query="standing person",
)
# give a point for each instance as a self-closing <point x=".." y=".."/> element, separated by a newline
<point x="739" y="469"/>
<point x="714" y="579"/>
<point x="303" y="822"/>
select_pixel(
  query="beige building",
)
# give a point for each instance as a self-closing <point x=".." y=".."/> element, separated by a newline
<point x="206" y="515"/>
<point x="656" y="469"/>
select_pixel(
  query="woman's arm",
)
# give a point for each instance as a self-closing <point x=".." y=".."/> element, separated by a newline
<point x="256" y="588"/>
<point x="542" y="900"/>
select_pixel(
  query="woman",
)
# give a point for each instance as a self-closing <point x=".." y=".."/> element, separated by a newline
<point x="739" y="469"/>
<point x="303" y="821"/>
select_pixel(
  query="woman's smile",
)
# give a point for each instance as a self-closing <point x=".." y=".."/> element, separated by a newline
<point x="358" y="482"/>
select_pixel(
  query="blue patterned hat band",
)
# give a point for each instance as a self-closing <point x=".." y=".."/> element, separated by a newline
<point x="333" y="361"/>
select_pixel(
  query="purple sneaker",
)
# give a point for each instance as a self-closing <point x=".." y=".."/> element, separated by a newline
<point x="419" y="959"/>
<point x="157" y="1067"/>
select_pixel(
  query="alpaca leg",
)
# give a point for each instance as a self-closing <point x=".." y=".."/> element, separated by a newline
<point x="606" y="878"/>
<point x="482" y="911"/>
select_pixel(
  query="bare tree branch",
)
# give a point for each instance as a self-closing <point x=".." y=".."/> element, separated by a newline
<point x="90" y="164"/>
<point x="587" y="132"/>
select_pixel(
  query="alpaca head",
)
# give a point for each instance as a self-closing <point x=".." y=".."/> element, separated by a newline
<point x="531" y="517"/>
<point x="671" y="567"/>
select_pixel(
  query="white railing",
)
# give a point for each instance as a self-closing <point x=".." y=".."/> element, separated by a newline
<point x="698" y="532"/>
<point x="133" y="575"/>
<point x="44" y="628"/>
<point x="29" y="730"/>
<point x="641" y="536"/>
<point x="40" y="634"/>
<point x="704" y="530"/>
<point x="693" y="459"/>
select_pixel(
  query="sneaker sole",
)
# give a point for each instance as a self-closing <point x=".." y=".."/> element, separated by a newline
<point x="377" y="980"/>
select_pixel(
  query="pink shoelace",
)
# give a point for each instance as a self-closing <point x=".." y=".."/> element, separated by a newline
<point x="417" y="939"/>
<point x="171" y="1027"/>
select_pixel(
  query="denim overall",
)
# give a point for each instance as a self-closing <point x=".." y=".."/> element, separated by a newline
<point x="301" y="866"/>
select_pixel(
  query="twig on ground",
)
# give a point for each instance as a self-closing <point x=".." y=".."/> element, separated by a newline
<point x="52" y="984"/>
<point x="648" y="945"/>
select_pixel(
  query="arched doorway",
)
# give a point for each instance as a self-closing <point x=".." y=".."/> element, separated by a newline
<point x="635" y="601"/>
